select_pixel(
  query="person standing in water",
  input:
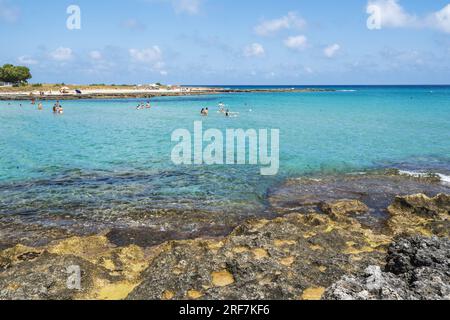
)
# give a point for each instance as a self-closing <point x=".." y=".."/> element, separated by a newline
<point x="40" y="106"/>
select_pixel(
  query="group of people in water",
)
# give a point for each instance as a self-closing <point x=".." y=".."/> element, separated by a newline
<point x="224" y="111"/>
<point x="57" y="108"/>
<point x="143" y="106"/>
<point x="205" y="111"/>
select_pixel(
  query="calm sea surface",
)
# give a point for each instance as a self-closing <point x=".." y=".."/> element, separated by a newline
<point x="104" y="160"/>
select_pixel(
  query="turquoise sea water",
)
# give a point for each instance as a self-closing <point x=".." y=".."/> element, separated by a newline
<point x="103" y="159"/>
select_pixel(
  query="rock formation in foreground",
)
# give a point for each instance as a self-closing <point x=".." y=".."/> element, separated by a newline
<point x="296" y="256"/>
<point x="417" y="268"/>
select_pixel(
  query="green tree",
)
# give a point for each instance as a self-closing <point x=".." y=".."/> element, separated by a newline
<point x="14" y="74"/>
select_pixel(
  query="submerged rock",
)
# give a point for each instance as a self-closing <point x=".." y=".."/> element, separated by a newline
<point x="342" y="208"/>
<point x="376" y="190"/>
<point x="417" y="268"/>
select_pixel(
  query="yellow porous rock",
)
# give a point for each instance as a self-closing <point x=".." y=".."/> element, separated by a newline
<point x="222" y="278"/>
<point x="313" y="293"/>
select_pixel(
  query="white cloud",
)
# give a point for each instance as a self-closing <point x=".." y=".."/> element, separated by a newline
<point x="290" y="21"/>
<point x="150" y="55"/>
<point x="296" y="43"/>
<point x="254" y="50"/>
<point x="441" y="19"/>
<point x="389" y="13"/>
<point x="95" y="55"/>
<point x="163" y="73"/>
<point x="62" y="54"/>
<point x="8" y="13"/>
<point x="331" y="50"/>
<point x="27" y="60"/>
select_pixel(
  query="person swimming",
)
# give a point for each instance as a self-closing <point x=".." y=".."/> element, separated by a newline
<point x="40" y="106"/>
<point x="57" y="108"/>
<point x="148" y="106"/>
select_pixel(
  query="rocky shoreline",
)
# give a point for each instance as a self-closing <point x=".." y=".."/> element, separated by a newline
<point x="148" y="95"/>
<point x="324" y="254"/>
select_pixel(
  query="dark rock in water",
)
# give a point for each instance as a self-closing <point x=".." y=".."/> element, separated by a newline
<point x="342" y="208"/>
<point x="148" y="237"/>
<point x="13" y="233"/>
<point x="376" y="190"/>
<point x="417" y="268"/>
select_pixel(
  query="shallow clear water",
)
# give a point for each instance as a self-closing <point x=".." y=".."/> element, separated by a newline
<point x="104" y="160"/>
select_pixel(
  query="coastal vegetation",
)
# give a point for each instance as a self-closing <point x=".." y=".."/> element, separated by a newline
<point x="15" y="75"/>
<point x="26" y="87"/>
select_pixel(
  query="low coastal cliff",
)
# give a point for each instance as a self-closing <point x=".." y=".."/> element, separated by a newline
<point x="324" y="254"/>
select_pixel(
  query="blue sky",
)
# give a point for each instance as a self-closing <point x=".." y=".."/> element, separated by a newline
<point x="230" y="42"/>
